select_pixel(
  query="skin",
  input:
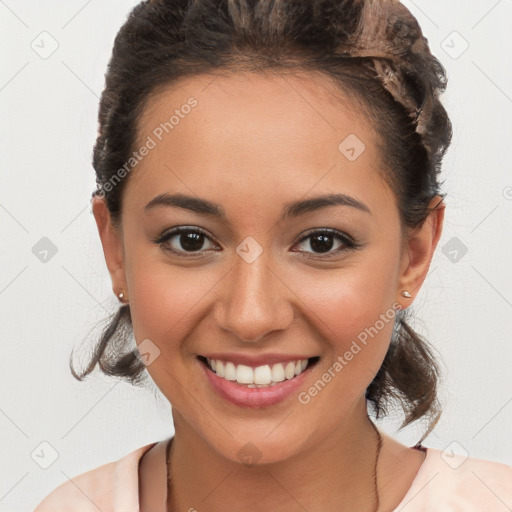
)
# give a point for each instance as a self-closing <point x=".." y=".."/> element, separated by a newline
<point x="252" y="144"/>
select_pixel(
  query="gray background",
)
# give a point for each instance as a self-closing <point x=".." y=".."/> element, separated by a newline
<point x="50" y="303"/>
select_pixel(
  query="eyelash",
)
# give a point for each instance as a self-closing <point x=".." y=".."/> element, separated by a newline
<point x="348" y="243"/>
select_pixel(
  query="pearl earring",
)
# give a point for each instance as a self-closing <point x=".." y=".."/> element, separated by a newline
<point x="121" y="297"/>
<point x="406" y="294"/>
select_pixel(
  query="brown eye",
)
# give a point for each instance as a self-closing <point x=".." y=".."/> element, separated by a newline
<point x="184" y="240"/>
<point x="322" y="242"/>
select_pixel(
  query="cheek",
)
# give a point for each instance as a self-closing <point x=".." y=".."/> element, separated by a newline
<point x="354" y="304"/>
<point x="355" y="318"/>
<point x="167" y="306"/>
<point x="167" y="300"/>
<point x="346" y="314"/>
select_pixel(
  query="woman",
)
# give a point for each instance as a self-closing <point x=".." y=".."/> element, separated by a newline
<point x="268" y="204"/>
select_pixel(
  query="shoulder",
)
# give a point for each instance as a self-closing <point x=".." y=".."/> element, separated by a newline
<point x="464" y="472"/>
<point x="98" y="488"/>
<point x="466" y="483"/>
<point x="88" y="491"/>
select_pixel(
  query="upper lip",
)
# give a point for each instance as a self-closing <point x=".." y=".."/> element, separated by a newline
<point x="256" y="360"/>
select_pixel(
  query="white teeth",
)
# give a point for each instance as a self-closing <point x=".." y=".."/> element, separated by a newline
<point x="219" y="368"/>
<point x="261" y="376"/>
<point x="289" y="371"/>
<point x="244" y="374"/>
<point x="230" y="371"/>
<point x="278" y="372"/>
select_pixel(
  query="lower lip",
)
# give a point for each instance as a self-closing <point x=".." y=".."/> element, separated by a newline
<point x="253" y="397"/>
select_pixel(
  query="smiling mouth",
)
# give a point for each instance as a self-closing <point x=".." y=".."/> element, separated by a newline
<point x="263" y="376"/>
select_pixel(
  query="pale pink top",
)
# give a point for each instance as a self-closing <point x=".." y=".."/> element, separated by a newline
<point x="442" y="484"/>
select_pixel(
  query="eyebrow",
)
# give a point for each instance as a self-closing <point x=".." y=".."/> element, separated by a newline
<point x="290" y="210"/>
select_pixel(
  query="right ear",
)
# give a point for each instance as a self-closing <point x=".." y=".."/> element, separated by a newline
<point x="112" y="242"/>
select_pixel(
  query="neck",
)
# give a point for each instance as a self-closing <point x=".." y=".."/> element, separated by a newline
<point x="335" y="474"/>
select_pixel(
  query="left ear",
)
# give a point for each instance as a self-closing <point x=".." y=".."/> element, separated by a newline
<point x="419" y="249"/>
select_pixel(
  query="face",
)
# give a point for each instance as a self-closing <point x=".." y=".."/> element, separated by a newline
<point x="252" y="281"/>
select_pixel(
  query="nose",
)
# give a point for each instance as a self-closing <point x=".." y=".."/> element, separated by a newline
<point x="255" y="301"/>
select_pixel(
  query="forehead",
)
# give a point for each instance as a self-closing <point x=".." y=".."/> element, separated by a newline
<point x="275" y="136"/>
<point x="270" y="106"/>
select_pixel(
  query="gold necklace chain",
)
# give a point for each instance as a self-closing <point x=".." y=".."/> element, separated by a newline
<point x="376" y="486"/>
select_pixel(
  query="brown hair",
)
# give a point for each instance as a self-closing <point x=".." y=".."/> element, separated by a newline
<point x="372" y="48"/>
